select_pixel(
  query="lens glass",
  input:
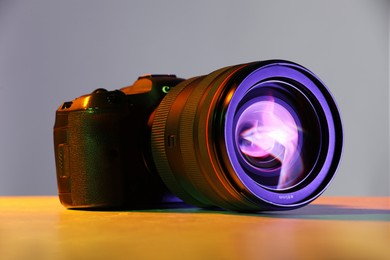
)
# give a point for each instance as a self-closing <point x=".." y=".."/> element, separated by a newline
<point x="271" y="135"/>
<point x="267" y="135"/>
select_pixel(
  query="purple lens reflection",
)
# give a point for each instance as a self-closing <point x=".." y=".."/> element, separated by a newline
<point x="268" y="137"/>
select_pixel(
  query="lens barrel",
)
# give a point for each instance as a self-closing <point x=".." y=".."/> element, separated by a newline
<point x="259" y="136"/>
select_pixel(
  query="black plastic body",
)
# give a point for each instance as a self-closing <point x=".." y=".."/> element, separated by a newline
<point x="102" y="147"/>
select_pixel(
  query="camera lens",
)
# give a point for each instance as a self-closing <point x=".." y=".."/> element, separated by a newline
<point x="257" y="136"/>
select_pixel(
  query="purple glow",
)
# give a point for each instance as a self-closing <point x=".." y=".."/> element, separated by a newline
<point x="303" y="76"/>
<point x="268" y="132"/>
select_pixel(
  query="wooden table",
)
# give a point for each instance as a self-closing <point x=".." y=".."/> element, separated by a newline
<point x="329" y="228"/>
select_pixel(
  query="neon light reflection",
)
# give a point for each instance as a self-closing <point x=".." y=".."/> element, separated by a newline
<point x="268" y="134"/>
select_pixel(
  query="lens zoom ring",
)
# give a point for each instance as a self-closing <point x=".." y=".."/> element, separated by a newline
<point x="204" y="179"/>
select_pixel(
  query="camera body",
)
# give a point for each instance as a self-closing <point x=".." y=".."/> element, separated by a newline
<point x="102" y="147"/>
<point x="265" y="135"/>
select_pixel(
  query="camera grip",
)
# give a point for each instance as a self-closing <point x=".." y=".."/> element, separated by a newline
<point x="90" y="156"/>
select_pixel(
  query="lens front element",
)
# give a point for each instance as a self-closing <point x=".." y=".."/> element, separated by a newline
<point x="267" y="136"/>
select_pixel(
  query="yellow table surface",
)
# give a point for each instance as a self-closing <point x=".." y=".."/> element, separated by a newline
<point x="329" y="228"/>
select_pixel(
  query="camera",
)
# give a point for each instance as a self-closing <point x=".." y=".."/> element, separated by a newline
<point x="264" y="135"/>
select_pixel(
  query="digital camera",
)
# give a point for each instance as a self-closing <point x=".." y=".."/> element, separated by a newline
<point x="264" y="135"/>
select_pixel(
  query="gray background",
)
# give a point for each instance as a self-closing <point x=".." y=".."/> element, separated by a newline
<point x="53" y="51"/>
